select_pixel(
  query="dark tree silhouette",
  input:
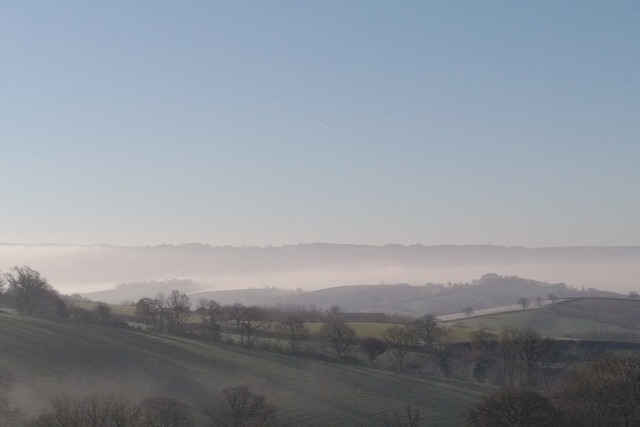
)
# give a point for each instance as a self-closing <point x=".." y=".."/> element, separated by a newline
<point x="179" y="305"/>
<point x="294" y="329"/>
<point x="524" y="302"/>
<point x="151" y="310"/>
<point x="510" y="407"/>
<point x="28" y="289"/>
<point x="210" y="312"/>
<point x="164" y="412"/>
<point x="241" y="407"/>
<point x="427" y="330"/>
<point x="338" y="335"/>
<point x="247" y="320"/>
<point x="373" y="347"/>
<point x="400" y="341"/>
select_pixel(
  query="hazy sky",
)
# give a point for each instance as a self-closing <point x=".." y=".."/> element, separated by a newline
<point x="285" y="122"/>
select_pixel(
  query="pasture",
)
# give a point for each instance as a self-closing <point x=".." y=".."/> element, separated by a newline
<point x="48" y="358"/>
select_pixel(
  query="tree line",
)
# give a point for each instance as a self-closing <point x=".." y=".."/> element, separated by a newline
<point x="233" y="407"/>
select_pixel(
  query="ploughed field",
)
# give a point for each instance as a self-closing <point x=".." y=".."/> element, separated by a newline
<point x="48" y="359"/>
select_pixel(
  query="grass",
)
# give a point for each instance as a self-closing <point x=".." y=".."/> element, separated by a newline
<point x="575" y="318"/>
<point x="49" y="358"/>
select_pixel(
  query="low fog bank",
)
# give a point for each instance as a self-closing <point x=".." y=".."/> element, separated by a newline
<point x="83" y="269"/>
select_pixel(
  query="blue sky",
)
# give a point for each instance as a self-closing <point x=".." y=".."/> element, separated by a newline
<point x="369" y="122"/>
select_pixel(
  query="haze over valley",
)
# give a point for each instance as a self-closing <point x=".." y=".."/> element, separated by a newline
<point x="319" y="213"/>
<point x="82" y="269"/>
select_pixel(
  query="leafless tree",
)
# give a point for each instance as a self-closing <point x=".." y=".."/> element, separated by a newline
<point x="427" y="330"/>
<point x="539" y="301"/>
<point x="405" y="417"/>
<point x="524" y="302"/>
<point x="151" y="310"/>
<point x="179" y="305"/>
<point x="210" y="312"/>
<point x="247" y="320"/>
<point x="605" y="392"/>
<point x="27" y="288"/>
<point x="294" y="329"/>
<point x="241" y="407"/>
<point x="400" y="341"/>
<point x="338" y="335"/>
<point x="164" y="412"/>
<point x="511" y="407"/>
<point x="103" y="312"/>
<point x="96" y="410"/>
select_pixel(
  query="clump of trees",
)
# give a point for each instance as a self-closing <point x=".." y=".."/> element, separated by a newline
<point x="604" y="392"/>
<point x="241" y="407"/>
<point x="235" y="407"/>
<point x="338" y="335"/>
<point x="30" y="294"/>
<point x="293" y="328"/>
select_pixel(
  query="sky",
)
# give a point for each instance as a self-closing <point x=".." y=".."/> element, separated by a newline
<point x="285" y="122"/>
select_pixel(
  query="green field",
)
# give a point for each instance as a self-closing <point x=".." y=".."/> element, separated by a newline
<point x="51" y="358"/>
<point x="571" y="319"/>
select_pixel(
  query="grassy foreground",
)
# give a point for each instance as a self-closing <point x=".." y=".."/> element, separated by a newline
<point x="53" y="358"/>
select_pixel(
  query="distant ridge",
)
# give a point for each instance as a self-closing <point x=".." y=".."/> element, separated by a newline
<point x="82" y="268"/>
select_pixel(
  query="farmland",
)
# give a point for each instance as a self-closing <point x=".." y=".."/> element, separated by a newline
<point x="48" y="358"/>
<point x="579" y="318"/>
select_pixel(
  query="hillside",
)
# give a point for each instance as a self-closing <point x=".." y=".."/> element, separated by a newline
<point x="491" y="290"/>
<point x="51" y="358"/>
<point x="591" y="318"/>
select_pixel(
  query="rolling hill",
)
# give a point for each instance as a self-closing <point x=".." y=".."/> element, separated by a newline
<point x="491" y="290"/>
<point x="590" y="318"/>
<point x="81" y="269"/>
<point x="47" y="358"/>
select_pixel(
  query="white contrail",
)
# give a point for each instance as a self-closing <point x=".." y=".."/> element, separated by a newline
<point x="322" y="125"/>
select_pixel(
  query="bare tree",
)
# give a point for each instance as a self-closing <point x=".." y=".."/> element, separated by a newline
<point x="151" y="310"/>
<point x="539" y="301"/>
<point x="210" y="312"/>
<point x="400" y="341"/>
<point x="241" y="407"/>
<point x="514" y="407"/>
<point x="103" y="312"/>
<point x="179" y="305"/>
<point x="338" y="335"/>
<point x="1" y="288"/>
<point x="164" y="412"/>
<point x="294" y="329"/>
<point x="404" y="417"/>
<point x="524" y="302"/>
<point x="103" y="410"/>
<point x="247" y="320"/>
<point x="27" y="288"/>
<point x="427" y="330"/>
<point x="605" y="392"/>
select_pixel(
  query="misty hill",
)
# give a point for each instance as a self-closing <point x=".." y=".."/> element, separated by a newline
<point x="47" y="359"/>
<point x="317" y="266"/>
<point x="491" y="290"/>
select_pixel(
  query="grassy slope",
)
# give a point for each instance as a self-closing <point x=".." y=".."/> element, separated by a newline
<point x="569" y="318"/>
<point x="49" y="358"/>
